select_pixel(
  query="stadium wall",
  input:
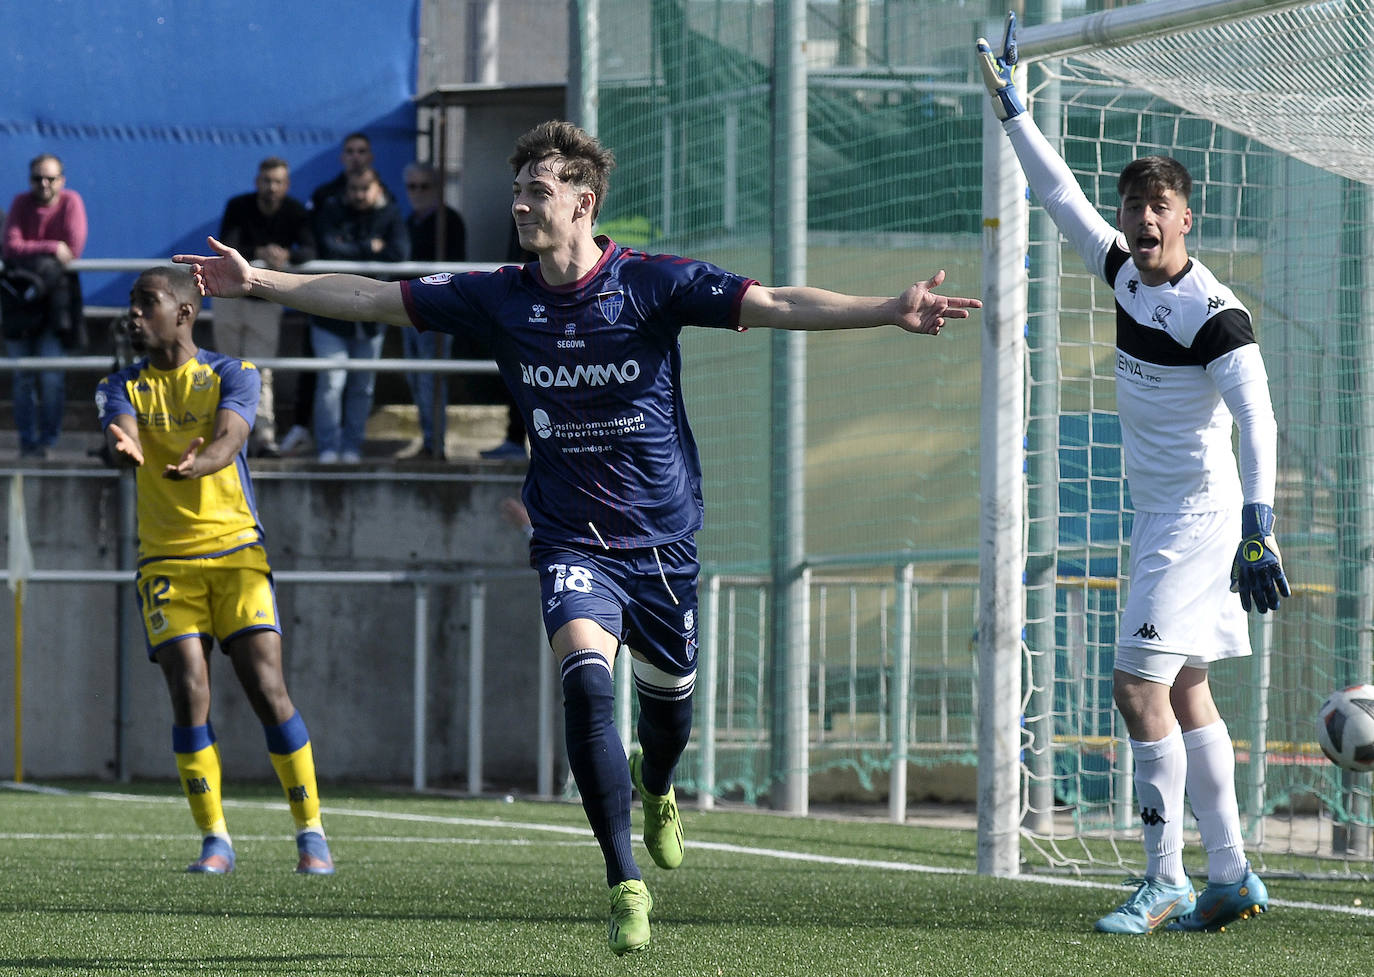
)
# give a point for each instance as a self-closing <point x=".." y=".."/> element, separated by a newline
<point x="161" y="111"/>
<point x="348" y="654"/>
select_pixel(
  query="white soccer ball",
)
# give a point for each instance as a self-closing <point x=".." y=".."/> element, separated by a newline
<point x="1345" y="728"/>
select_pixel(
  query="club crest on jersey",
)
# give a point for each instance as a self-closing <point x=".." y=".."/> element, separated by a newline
<point x="610" y="304"/>
<point x="201" y="380"/>
<point x="542" y="425"/>
<point x="439" y="279"/>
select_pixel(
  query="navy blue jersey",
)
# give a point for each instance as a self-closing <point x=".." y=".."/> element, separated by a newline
<point x="595" y="368"/>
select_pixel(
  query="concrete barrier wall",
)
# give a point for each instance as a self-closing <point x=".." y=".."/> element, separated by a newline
<point x="349" y="647"/>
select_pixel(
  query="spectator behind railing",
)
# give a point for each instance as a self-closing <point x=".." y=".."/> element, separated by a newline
<point x="44" y="232"/>
<point x="429" y="391"/>
<point x="363" y="225"/>
<point x="270" y="227"/>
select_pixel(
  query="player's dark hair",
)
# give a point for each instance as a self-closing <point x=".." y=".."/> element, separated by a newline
<point x="356" y="135"/>
<point x="1152" y="173"/>
<point x="274" y="163"/>
<point x="586" y="163"/>
<point x="179" y="282"/>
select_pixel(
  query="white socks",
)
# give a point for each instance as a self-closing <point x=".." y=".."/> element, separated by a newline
<point x="1212" y="794"/>
<point x="1160" y="769"/>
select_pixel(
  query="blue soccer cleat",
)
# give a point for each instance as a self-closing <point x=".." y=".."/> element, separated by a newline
<point x="314" y="851"/>
<point x="1220" y="905"/>
<point x="216" y="857"/>
<point x="1153" y="905"/>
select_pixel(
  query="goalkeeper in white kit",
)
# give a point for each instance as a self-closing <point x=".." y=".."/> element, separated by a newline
<point x="1187" y="367"/>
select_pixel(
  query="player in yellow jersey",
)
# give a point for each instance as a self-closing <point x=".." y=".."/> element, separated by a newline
<point x="182" y="417"/>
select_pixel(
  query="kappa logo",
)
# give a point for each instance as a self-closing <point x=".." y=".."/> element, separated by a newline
<point x="442" y="278"/>
<point x="1215" y="302"/>
<point x="1148" y="632"/>
<point x="1151" y="816"/>
<point x="1132" y="285"/>
<point x="610" y="304"/>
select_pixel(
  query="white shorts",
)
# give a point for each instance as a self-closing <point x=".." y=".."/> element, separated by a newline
<point x="1180" y="602"/>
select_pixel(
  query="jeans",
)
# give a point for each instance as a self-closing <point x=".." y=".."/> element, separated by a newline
<point x="426" y="388"/>
<point x="343" y="398"/>
<point x="39" y="398"/>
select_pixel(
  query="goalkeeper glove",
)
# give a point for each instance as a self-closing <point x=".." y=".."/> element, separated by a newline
<point x="998" y="73"/>
<point x="1257" y="573"/>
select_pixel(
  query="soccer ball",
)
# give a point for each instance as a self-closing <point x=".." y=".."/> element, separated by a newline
<point x="1345" y="728"/>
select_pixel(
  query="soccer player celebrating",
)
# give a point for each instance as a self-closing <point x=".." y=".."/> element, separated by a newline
<point x="586" y="338"/>
<point x="182" y="416"/>
<point x="1187" y="366"/>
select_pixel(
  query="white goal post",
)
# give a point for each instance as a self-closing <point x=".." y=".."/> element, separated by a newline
<point x="1269" y="103"/>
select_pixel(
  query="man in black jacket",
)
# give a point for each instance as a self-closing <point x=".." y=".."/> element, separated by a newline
<point x="362" y="225"/>
<point x="273" y="230"/>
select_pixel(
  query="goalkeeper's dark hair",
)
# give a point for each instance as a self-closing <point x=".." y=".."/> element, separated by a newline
<point x="586" y="163"/>
<point x="1153" y="173"/>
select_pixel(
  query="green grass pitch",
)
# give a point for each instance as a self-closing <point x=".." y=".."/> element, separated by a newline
<point x="92" y="882"/>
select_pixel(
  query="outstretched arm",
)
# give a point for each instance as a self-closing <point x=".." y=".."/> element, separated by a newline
<point x="918" y="309"/>
<point x="203" y="457"/>
<point x="121" y="437"/>
<point x="352" y="298"/>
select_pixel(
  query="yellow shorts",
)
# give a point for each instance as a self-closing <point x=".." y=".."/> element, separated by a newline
<point x="217" y="597"/>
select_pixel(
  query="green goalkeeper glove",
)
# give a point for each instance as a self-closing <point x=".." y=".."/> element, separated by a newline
<point x="999" y="70"/>
<point x="1257" y="573"/>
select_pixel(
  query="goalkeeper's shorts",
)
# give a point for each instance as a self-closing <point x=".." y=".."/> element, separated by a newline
<point x="1180" y="601"/>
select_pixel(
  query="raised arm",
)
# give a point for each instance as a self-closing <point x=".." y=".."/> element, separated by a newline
<point x="351" y="298"/>
<point x="1048" y="175"/>
<point x="918" y="309"/>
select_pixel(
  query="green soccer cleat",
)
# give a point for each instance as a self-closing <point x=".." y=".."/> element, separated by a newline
<point x="1221" y="905"/>
<point x="630" y="908"/>
<point x="662" y="824"/>
<point x="1153" y="905"/>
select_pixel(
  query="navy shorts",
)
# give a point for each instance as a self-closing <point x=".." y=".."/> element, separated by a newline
<point x="653" y="612"/>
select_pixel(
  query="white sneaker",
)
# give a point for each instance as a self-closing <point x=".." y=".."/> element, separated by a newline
<point x="297" y="440"/>
<point x="329" y="457"/>
<point x="350" y="457"/>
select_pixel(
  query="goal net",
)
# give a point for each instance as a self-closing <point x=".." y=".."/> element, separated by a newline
<point x="1269" y="107"/>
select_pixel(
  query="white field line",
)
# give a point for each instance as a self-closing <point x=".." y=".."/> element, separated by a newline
<point x="582" y="833"/>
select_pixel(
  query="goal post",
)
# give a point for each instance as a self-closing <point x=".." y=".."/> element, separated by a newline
<point x="1268" y="103"/>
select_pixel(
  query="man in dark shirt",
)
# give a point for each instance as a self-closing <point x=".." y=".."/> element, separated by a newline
<point x="436" y="234"/>
<point x="270" y="229"/>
